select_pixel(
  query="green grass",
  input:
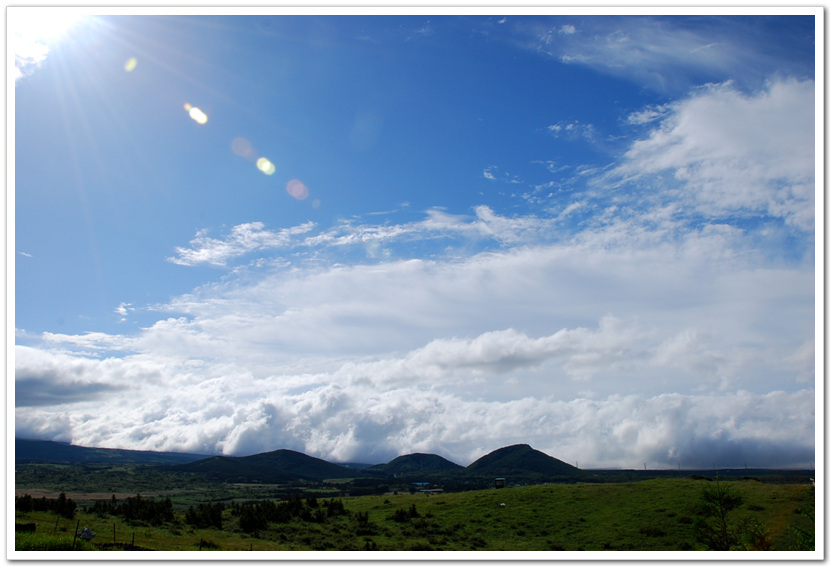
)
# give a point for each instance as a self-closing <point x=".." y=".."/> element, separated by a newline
<point x="642" y="516"/>
<point x="41" y="541"/>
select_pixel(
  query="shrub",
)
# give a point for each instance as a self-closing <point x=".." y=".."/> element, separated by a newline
<point x="205" y="516"/>
<point x="335" y="507"/>
<point x="420" y="545"/>
<point x="251" y="519"/>
<point x="477" y="542"/>
<point x="205" y="543"/>
<point x="137" y="510"/>
<point x="684" y="546"/>
<point x="713" y="529"/>
<point x="754" y="536"/>
<point x="404" y="515"/>
<point x="652" y="532"/>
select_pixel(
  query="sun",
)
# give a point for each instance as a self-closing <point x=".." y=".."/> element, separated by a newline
<point x="32" y="32"/>
<point x="42" y="25"/>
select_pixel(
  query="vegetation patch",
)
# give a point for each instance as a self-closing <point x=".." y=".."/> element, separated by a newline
<point x="668" y="514"/>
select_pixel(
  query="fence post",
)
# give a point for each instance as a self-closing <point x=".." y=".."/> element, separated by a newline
<point x="56" y="526"/>
<point x="113" y="533"/>
<point x="76" y="534"/>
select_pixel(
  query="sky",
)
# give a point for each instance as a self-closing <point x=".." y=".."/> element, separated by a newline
<point x="366" y="235"/>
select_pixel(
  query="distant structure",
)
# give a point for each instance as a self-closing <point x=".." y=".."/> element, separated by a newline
<point x="498" y="483"/>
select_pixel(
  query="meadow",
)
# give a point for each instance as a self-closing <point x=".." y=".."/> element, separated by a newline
<point x="649" y="515"/>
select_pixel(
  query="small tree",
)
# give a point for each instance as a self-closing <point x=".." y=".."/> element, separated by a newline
<point x="713" y="529"/>
<point x="24" y="503"/>
<point x="65" y="507"/>
<point x="251" y="519"/>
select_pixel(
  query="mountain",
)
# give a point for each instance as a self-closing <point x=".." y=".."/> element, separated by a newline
<point x="417" y="464"/>
<point x="516" y="463"/>
<point x="64" y="453"/>
<point x="520" y="461"/>
<point x="268" y="467"/>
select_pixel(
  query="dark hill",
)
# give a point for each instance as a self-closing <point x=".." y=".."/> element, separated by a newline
<point x="520" y="461"/>
<point x="63" y="453"/>
<point x="268" y="467"/>
<point x="417" y="464"/>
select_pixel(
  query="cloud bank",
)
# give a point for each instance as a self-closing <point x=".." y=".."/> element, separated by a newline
<point x="659" y="313"/>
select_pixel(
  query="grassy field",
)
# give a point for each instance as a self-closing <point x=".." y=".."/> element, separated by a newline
<point x="647" y="515"/>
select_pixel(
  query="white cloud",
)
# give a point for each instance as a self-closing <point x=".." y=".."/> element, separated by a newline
<point x="485" y="226"/>
<point x="574" y="131"/>
<point x="123" y="310"/>
<point x="647" y="115"/>
<point x="492" y="173"/>
<point x="243" y="239"/>
<point x="659" y="53"/>
<point x="28" y="55"/>
<point x="462" y="355"/>
<point x="90" y="340"/>
<point x="729" y="152"/>
<point x="236" y="414"/>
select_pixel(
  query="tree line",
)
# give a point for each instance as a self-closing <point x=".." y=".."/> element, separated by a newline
<point x="63" y="505"/>
<point x="153" y="511"/>
<point x="256" y="515"/>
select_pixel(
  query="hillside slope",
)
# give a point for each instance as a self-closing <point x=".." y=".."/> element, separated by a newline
<point x="520" y="461"/>
<point x="275" y="466"/>
<point x="418" y="463"/>
<point x="63" y="453"/>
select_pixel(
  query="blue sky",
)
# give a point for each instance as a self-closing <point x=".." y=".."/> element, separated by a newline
<point x="361" y="236"/>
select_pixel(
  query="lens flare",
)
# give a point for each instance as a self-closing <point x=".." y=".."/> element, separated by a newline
<point x="265" y="166"/>
<point x="197" y="115"/>
<point x="130" y="65"/>
<point x="297" y="189"/>
<point x="243" y="148"/>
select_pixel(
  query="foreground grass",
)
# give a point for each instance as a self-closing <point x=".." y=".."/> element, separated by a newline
<point x="647" y="515"/>
<point x="40" y="541"/>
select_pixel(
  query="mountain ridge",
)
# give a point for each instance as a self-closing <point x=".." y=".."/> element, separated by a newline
<point x="50" y="451"/>
<point x="516" y="461"/>
<point x="275" y="466"/>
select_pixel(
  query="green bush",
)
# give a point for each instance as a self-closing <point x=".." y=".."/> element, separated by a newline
<point x="713" y="528"/>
